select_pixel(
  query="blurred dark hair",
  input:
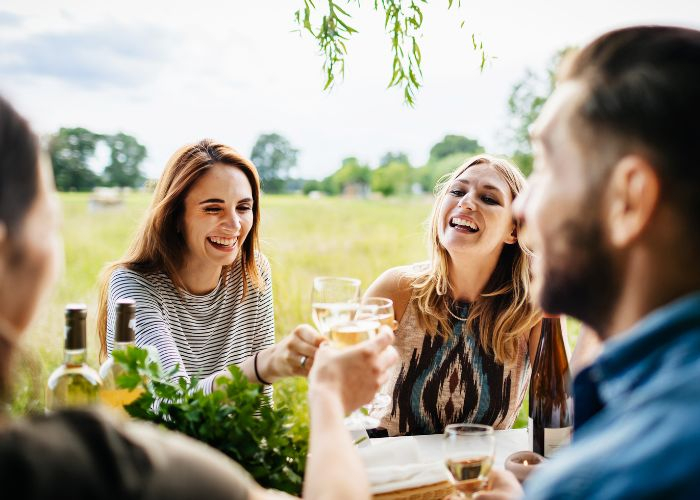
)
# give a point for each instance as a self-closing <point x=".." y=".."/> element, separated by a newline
<point x="643" y="96"/>
<point x="19" y="184"/>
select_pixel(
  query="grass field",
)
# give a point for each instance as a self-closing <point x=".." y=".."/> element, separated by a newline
<point x="301" y="237"/>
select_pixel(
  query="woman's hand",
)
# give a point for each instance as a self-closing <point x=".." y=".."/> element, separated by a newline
<point x="293" y="355"/>
<point x="355" y="374"/>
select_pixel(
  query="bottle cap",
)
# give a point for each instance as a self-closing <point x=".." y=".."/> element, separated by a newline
<point x="75" y="326"/>
<point x="124" y="321"/>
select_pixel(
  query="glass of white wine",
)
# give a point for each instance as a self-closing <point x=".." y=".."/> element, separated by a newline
<point x="333" y="300"/>
<point x="382" y="310"/>
<point x="468" y="450"/>
<point x="346" y="334"/>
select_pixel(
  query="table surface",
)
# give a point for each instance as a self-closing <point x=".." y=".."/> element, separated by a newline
<point x="507" y="442"/>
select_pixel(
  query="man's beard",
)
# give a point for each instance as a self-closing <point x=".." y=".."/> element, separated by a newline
<point x="583" y="281"/>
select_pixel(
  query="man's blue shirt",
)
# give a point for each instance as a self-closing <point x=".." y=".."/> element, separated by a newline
<point x="644" y="440"/>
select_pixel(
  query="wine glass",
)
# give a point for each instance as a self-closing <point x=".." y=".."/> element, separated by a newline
<point x="344" y="334"/>
<point x="333" y="300"/>
<point x="468" y="450"/>
<point x="382" y="310"/>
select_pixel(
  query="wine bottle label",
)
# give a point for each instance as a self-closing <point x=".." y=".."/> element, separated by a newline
<point x="554" y="438"/>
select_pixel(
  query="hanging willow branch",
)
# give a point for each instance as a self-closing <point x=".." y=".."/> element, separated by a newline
<point x="403" y="21"/>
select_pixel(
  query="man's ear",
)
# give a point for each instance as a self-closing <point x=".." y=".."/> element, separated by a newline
<point x="633" y="192"/>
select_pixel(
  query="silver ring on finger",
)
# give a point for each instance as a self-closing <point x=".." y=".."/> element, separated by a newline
<point x="302" y="361"/>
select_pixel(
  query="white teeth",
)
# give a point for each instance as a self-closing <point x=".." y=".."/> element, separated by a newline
<point x="463" y="222"/>
<point x="227" y="242"/>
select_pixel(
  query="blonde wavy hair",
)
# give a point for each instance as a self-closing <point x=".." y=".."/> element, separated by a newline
<point x="158" y="245"/>
<point x="503" y="314"/>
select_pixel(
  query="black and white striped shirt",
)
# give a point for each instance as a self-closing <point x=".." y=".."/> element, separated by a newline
<point x="203" y="334"/>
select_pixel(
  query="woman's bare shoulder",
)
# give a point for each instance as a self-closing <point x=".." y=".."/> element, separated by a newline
<point x="395" y="284"/>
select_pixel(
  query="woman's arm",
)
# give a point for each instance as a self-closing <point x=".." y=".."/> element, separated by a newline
<point x="393" y="284"/>
<point x="282" y="359"/>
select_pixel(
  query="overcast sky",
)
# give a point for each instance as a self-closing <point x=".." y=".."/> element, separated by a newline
<point x="173" y="72"/>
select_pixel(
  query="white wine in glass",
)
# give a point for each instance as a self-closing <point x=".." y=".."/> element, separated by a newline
<point x="333" y="300"/>
<point x="382" y="310"/>
<point x="347" y="334"/>
<point x="469" y="450"/>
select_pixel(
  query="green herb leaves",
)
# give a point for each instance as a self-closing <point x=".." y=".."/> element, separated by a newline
<point x="238" y="419"/>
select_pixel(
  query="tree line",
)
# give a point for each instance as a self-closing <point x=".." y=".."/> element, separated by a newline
<point x="72" y="151"/>
<point x="73" y="154"/>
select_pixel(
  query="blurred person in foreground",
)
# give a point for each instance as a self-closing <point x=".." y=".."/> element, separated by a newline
<point x="612" y="215"/>
<point x="86" y="454"/>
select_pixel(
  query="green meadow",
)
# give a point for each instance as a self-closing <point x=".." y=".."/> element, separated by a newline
<point x="301" y="237"/>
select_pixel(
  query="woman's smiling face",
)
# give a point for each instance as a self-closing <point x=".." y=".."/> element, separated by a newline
<point x="475" y="215"/>
<point x="218" y="217"/>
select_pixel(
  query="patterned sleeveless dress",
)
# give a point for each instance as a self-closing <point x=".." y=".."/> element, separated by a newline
<point x="442" y="381"/>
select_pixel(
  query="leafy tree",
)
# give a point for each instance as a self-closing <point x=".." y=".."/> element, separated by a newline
<point x="525" y="104"/>
<point x="398" y="157"/>
<point x="403" y="20"/>
<point x="71" y="150"/>
<point x="434" y="170"/>
<point x="126" y="155"/>
<point x="312" y="185"/>
<point x="391" y="179"/>
<point x="452" y="144"/>
<point x="273" y="156"/>
<point x="350" y="172"/>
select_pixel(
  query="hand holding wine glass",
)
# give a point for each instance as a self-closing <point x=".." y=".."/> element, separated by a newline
<point x="354" y="373"/>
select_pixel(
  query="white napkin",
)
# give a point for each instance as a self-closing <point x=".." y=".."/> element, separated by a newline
<point x="395" y="464"/>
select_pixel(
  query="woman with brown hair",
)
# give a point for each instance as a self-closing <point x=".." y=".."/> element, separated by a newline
<point x="466" y="327"/>
<point x="88" y="454"/>
<point x="203" y="291"/>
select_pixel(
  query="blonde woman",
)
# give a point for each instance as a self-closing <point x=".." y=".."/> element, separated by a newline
<point x="466" y="328"/>
<point x="203" y="291"/>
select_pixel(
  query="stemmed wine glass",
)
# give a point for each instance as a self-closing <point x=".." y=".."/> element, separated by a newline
<point x="468" y="450"/>
<point x="333" y="300"/>
<point x="382" y="310"/>
<point x="334" y="307"/>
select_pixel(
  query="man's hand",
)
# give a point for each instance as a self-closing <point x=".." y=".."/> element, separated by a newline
<point x="355" y="374"/>
<point x="502" y="486"/>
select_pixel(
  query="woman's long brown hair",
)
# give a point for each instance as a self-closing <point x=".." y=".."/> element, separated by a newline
<point x="158" y="246"/>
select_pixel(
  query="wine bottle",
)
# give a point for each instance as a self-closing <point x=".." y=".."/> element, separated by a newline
<point x="550" y="421"/>
<point x="73" y="383"/>
<point x="110" y="393"/>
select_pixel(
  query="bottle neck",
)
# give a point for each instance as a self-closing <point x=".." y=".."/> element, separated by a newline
<point x="74" y="357"/>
